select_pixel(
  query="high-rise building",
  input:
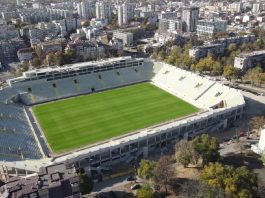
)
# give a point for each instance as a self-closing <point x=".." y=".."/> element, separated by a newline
<point x="19" y="3"/>
<point x="125" y="13"/>
<point x="84" y="10"/>
<point x="190" y="17"/>
<point x="103" y="10"/>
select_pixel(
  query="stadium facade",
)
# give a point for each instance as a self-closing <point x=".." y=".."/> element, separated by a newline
<point x="24" y="148"/>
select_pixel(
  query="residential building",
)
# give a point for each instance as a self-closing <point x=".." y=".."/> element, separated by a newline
<point x="168" y="15"/>
<point x="25" y="54"/>
<point x="125" y="13"/>
<point x="55" y="181"/>
<point x="126" y="37"/>
<point x="169" y="25"/>
<point x="98" y="23"/>
<point x="103" y="10"/>
<point x="207" y="28"/>
<point x="246" y="61"/>
<point x="189" y="18"/>
<point x="199" y="52"/>
<point x="84" y="10"/>
<point x="51" y="46"/>
<point x="8" y="50"/>
<point x="256" y="7"/>
<point x="87" y="49"/>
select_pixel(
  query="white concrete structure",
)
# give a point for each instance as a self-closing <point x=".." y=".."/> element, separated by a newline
<point x="260" y="147"/>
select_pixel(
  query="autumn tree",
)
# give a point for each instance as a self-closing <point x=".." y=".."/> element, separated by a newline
<point x="239" y="182"/>
<point x="207" y="147"/>
<point x="59" y="58"/>
<point x="36" y="62"/>
<point x="185" y="153"/>
<point x="253" y="74"/>
<point x="229" y="72"/>
<point x="257" y="122"/>
<point x="145" y="192"/>
<point x="164" y="172"/>
<point x="146" y="169"/>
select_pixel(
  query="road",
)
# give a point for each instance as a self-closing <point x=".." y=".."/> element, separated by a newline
<point x="110" y="185"/>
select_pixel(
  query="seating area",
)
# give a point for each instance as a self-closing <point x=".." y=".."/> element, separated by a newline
<point x="42" y="91"/>
<point x="16" y="137"/>
<point x="200" y="91"/>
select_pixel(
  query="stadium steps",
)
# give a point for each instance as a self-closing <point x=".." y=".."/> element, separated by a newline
<point x="32" y="98"/>
<point x="205" y="91"/>
<point x="77" y="86"/>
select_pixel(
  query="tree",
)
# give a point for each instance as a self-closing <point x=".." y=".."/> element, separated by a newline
<point x="69" y="56"/>
<point x="229" y="72"/>
<point x="146" y="169"/>
<point x="253" y="74"/>
<point x="36" y="62"/>
<point x="86" y="23"/>
<point x="185" y="153"/>
<point x="232" y="47"/>
<point x="25" y="66"/>
<point x="207" y="147"/>
<point x="39" y="51"/>
<point x="50" y="59"/>
<point x="59" y="58"/>
<point x="263" y="158"/>
<point x="163" y="171"/>
<point x="257" y="122"/>
<point x="239" y="182"/>
<point x="85" y="184"/>
<point x="145" y="192"/>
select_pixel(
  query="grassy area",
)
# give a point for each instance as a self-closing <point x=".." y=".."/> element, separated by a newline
<point x="83" y="120"/>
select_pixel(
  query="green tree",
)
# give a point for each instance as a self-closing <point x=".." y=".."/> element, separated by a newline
<point x="207" y="147"/>
<point x="145" y="192"/>
<point x="85" y="184"/>
<point x="146" y="169"/>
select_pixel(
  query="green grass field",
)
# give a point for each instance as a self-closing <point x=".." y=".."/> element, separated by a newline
<point x="84" y="120"/>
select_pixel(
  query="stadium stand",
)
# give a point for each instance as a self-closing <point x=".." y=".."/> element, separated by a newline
<point x="220" y="106"/>
<point x="17" y="141"/>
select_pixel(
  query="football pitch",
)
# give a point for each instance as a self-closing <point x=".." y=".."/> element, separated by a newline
<point x="83" y="120"/>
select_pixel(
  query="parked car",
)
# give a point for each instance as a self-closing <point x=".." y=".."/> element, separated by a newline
<point x="135" y="186"/>
<point x="131" y="178"/>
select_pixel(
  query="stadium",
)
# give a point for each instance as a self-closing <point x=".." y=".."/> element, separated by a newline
<point x="105" y="112"/>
